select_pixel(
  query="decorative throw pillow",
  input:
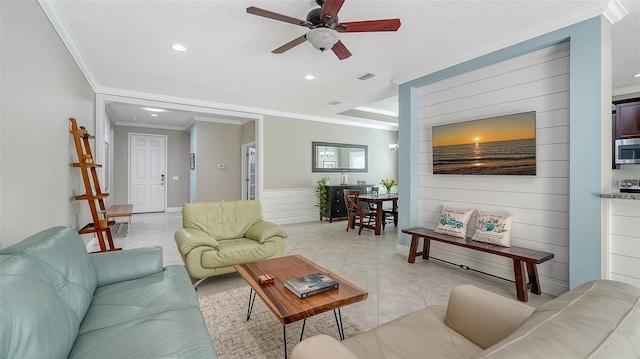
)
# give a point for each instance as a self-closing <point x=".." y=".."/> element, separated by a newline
<point x="453" y="221"/>
<point x="494" y="228"/>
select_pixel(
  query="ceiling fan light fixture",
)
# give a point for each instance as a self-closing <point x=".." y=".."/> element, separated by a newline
<point x="322" y="38"/>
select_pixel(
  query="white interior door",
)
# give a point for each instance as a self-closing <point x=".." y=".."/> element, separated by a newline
<point x="147" y="155"/>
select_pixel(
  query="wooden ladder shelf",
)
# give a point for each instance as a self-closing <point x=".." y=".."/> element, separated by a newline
<point x="100" y="225"/>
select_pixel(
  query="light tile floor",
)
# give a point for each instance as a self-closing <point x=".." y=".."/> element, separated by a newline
<point x="395" y="286"/>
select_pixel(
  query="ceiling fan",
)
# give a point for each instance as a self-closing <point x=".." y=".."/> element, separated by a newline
<point x="324" y="27"/>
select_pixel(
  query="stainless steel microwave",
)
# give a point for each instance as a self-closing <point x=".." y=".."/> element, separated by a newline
<point x="627" y="151"/>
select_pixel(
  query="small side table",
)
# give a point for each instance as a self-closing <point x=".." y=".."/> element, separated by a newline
<point x="121" y="210"/>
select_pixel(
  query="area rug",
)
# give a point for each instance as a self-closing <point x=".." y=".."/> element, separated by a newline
<point x="261" y="337"/>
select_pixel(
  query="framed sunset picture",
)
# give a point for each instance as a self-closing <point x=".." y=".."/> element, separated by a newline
<point x="503" y="145"/>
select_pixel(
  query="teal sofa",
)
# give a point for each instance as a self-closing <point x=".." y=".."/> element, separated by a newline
<point x="57" y="301"/>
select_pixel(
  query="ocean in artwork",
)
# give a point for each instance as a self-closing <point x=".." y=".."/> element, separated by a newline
<point x="512" y="157"/>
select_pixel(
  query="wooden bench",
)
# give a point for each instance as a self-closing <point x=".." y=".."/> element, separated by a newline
<point x="520" y="256"/>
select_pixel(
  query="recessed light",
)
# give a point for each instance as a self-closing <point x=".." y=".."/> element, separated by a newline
<point x="179" y="47"/>
<point x="151" y="109"/>
<point x="636" y="75"/>
<point x="154" y="115"/>
<point x="309" y="77"/>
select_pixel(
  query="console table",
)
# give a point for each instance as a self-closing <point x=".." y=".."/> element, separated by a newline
<point x="335" y="206"/>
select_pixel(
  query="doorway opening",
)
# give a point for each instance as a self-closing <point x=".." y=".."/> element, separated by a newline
<point x="249" y="171"/>
<point x="113" y="111"/>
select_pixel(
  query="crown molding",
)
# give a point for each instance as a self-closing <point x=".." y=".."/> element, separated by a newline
<point x="149" y="125"/>
<point x="625" y="90"/>
<point x="181" y="103"/>
<point x="218" y="120"/>
<point x="614" y="11"/>
<point x="53" y="12"/>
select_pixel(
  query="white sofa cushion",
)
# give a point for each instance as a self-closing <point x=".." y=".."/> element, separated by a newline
<point x="421" y="334"/>
<point x="484" y="317"/>
<point x="599" y="319"/>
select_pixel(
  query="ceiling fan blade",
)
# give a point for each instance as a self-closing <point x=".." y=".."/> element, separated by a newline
<point x="275" y="16"/>
<point x="330" y="8"/>
<point x="340" y="50"/>
<point x="370" y="25"/>
<point x="293" y="43"/>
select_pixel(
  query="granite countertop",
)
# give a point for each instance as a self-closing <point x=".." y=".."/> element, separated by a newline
<point x="621" y="195"/>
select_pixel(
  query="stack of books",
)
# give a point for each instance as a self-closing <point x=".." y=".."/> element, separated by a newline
<point x="311" y="284"/>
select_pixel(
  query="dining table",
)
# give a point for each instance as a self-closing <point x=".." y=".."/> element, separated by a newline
<point x="378" y="200"/>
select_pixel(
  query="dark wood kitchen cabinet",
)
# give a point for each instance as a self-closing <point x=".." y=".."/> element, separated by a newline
<point x="627" y="119"/>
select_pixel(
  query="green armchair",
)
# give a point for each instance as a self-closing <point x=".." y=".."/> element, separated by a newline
<point x="215" y="236"/>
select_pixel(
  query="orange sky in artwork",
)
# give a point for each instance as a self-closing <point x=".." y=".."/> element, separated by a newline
<point x="504" y="128"/>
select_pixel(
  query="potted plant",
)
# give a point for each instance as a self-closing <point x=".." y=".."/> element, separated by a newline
<point x="321" y="193"/>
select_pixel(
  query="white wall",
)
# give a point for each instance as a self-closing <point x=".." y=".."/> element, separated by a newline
<point x="287" y="152"/>
<point x="41" y="88"/>
<point x="294" y="205"/>
<point x="535" y="82"/>
<point x="289" y="184"/>
<point x="107" y="183"/>
<point x="218" y="144"/>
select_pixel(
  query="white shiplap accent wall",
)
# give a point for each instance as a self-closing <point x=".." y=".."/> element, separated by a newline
<point x="285" y="206"/>
<point x="534" y="82"/>
<point x="624" y="245"/>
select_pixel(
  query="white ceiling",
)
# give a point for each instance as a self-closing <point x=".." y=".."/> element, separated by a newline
<point x="124" y="49"/>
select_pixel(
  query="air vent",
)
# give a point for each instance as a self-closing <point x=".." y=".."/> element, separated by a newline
<point x="333" y="103"/>
<point x="365" y="76"/>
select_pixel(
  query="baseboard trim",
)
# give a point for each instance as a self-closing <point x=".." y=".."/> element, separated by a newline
<point x="173" y="209"/>
<point x="292" y="220"/>
<point x="404" y="250"/>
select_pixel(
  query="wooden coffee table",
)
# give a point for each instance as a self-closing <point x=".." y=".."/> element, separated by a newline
<point x="285" y="305"/>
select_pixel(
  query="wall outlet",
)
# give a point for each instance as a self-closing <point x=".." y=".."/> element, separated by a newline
<point x="175" y="178"/>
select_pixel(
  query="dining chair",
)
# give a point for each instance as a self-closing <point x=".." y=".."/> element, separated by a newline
<point x="372" y="191"/>
<point x="356" y="212"/>
<point x="390" y="213"/>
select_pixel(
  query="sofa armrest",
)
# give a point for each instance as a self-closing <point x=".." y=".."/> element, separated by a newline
<point x="483" y="317"/>
<point x="263" y="230"/>
<point x="321" y="346"/>
<point x="190" y="238"/>
<point x="119" y="266"/>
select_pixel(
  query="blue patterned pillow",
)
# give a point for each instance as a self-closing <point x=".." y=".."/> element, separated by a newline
<point x="453" y="221"/>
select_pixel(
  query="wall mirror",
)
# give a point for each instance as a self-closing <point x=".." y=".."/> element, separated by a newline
<point x="338" y="157"/>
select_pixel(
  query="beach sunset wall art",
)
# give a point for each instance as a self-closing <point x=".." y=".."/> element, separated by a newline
<point x="504" y="145"/>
